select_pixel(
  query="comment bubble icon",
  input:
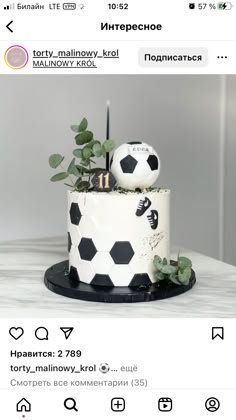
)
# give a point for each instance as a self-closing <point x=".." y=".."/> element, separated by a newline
<point x="41" y="333"/>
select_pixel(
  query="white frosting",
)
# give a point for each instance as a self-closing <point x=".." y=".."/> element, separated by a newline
<point x="111" y="217"/>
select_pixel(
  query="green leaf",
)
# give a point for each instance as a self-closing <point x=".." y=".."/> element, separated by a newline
<point x="85" y="162"/>
<point x="77" y="153"/>
<point x="83" y="185"/>
<point x="108" y="145"/>
<point x="186" y="272"/>
<point x="71" y="165"/>
<point x="184" y="277"/>
<point x="174" y="279"/>
<point x="83" y="138"/>
<point x="83" y="125"/>
<point x="158" y="262"/>
<point x="94" y="170"/>
<point x="158" y="259"/>
<point x="86" y="153"/>
<point x="59" y="177"/>
<point x="84" y="170"/>
<point x="78" y="181"/>
<point x="72" y="169"/>
<point x="68" y="185"/>
<point x="184" y="262"/>
<point x="93" y="142"/>
<point x="158" y="266"/>
<point x="169" y="269"/>
<point x="97" y="149"/>
<point x="81" y="169"/>
<point x="75" y="128"/>
<point x="103" y="151"/>
<point x="55" y="160"/>
<point x="159" y="275"/>
<point x="165" y="262"/>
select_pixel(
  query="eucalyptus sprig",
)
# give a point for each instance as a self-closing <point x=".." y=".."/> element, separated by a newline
<point x="178" y="272"/>
<point x="82" y="165"/>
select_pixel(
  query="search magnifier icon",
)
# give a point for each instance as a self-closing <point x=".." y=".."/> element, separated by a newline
<point x="70" y="404"/>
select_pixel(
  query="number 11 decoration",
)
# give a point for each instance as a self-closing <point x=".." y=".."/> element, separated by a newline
<point x="103" y="181"/>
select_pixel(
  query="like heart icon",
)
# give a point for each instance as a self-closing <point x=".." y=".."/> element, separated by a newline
<point x="16" y="333"/>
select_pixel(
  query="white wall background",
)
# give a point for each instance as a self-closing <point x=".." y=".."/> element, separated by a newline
<point x="230" y="173"/>
<point x="190" y="120"/>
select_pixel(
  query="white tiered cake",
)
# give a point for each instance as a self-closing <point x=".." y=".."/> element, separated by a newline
<point x="113" y="237"/>
<point x="118" y="225"/>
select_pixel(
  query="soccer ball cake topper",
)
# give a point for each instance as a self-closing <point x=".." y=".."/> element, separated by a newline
<point x="135" y="165"/>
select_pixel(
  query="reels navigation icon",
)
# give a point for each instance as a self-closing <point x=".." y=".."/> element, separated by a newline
<point x="212" y="404"/>
<point x="165" y="404"/>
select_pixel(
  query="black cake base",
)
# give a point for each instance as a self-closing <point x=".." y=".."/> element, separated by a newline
<point x="57" y="280"/>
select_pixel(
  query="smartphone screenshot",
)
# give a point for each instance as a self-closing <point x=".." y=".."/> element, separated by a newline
<point x="117" y="210"/>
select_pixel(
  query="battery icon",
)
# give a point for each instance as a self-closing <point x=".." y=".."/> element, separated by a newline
<point x="69" y="6"/>
<point x="224" y="6"/>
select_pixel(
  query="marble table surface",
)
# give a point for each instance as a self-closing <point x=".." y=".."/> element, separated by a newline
<point x="23" y="293"/>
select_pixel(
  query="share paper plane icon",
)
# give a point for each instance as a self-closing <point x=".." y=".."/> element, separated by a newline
<point x="67" y="331"/>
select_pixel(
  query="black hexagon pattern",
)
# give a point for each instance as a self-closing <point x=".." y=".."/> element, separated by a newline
<point x="122" y="252"/>
<point x="87" y="249"/>
<point x="75" y="214"/>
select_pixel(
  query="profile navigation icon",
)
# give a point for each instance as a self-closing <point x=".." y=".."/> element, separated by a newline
<point x="212" y="404"/>
<point x="67" y="331"/>
<point x="217" y="332"/>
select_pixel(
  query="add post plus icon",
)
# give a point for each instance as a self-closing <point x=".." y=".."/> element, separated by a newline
<point x="118" y="404"/>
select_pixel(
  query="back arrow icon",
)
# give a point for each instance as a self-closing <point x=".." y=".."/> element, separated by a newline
<point x="8" y="26"/>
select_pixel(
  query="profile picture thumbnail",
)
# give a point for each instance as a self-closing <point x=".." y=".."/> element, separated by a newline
<point x="16" y="57"/>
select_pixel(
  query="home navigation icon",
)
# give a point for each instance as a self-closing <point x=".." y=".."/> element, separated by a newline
<point x="23" y="405"/>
